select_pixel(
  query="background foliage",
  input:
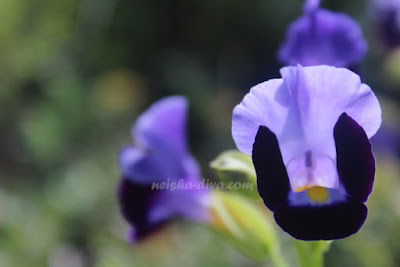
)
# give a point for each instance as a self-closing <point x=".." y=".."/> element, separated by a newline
<point x="74" y="75"/>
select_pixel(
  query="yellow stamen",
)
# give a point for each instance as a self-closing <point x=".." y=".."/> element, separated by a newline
<point x="304" y="188"/>
<point x="318" y="194"/>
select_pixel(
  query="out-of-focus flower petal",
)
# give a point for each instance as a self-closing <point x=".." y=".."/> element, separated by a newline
<point x="142" y="167"/>
<point x="135" y="203"/>
<point x="188" y="202"/>
<point x="163" y="126"/>
<point x="386" y="14"/>
<point x="150" y="193"/>
<point x="323" y="37"/>
<point x="311" y="5"/>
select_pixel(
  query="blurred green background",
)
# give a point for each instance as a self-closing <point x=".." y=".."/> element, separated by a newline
<point x="75" y="74"/>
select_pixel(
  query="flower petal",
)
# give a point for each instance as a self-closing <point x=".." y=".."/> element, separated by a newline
<point x="323" y="37"/>
<point x="355" y="161"/>
<point x="141" y="167"/>
<point x="272" y="178"/>
<point x="147" y="167"/>
<point x="311" y="5"/>
<point x="147" y="208"/>
<point x="266" y="104"/>
<point x="386" y="14"/>
<point x="322" y="222"/>
<point x="163" y="126"/>
<point x="302" y="109"/>
<point x="322" y="94"/>
<point x="135" y="203"/>
<point x="187" y="201"/>
<point x="161" y="151"/>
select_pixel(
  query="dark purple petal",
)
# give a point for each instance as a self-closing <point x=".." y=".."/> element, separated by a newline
<point x="272" y="178"/>
<point x="135" y="203"/>
<point x="322" y="37"/>
<point x="148" y="207"/>
<point x="322" y="222"/>
<point x="355" y="160"/>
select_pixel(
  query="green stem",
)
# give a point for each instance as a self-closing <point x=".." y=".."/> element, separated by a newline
<point x="277" y="259"/>
<point x="311" y="253"/>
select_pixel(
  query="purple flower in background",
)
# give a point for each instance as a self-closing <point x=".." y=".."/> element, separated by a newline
<point x="308" y="134"/>
<point x="387" y="140"/>
<point x="160" y="156"/>
<point x="386" y="14"/>
<point x="323" y="37"/>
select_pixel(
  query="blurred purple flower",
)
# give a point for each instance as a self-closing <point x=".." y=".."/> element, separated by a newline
<point x="323" y="37"/>
<point x="386" y="14"/>
<point x="308" y="134"/>
<point x="387" y="140"/>
<point x="160" y="155"/>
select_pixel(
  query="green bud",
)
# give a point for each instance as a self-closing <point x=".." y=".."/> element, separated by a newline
<point x="235" y="169"/>
<point x="245" y="224"/>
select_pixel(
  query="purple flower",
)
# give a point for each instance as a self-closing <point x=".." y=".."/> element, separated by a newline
<point x="308" y="134"/>
<point x="386" y="13"/>
<point x="323" y="37"/>
<point x="159" y="175"/>
<point x="387" y="140"/>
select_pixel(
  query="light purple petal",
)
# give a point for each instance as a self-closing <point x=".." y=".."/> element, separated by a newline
<point x="184" y="197"/>
<point x="143" y="167"/>
<point x="322" y="94"/>
<point x="322" y="37"/>
<point x="321" y="172"/>
<point x="190" y="203"/>
<point x="266" y="104"/>
<point x="191" y="167"/>
<point x="311" y="5"/>
<point x="161" y="151"/>
<point x="163" y="126"/>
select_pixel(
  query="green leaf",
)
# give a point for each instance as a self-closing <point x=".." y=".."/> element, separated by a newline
<point x="235" y="169"/>
<point x="246" y="225"/>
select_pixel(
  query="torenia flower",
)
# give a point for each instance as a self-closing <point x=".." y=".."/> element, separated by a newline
<point x="308" y="134"/>
<point x="157" y="170"/>
<point x="386" y="13"/>
<point x="323" y="37"/>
